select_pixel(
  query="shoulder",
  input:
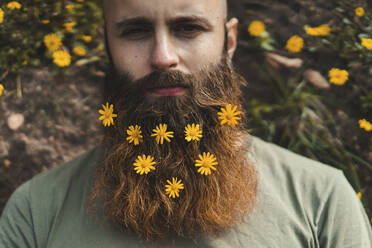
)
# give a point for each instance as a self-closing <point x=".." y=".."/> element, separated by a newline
<point x="314" y="194"/>
<point x="296" y="182"/>
<point x="73" y="171"/>
<point x="277" y="162"/>
<point x="34" y="207"/>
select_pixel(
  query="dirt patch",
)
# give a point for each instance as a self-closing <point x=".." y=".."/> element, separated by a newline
<point x="60" y="122"/>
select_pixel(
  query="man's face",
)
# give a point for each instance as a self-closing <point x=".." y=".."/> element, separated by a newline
<point x="145" y="36"/>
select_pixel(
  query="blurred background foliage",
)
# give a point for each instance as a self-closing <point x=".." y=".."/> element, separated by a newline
<point x="292" y="98"/>
<point x="23" y="32"/>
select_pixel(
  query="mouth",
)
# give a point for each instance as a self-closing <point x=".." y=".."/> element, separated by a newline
<point x="168" y="91"/>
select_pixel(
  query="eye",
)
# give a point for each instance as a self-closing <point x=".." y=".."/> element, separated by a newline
<point x="188" y="30"/>
<point x="136" y="33"/>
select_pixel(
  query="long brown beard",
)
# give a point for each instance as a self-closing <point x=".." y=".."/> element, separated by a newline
<point x="207" y="204"/>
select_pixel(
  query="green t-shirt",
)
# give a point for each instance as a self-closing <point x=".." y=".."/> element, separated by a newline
<point x="300" y="203"/>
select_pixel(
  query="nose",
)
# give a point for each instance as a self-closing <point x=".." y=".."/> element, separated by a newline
<point x="164" y="55"/>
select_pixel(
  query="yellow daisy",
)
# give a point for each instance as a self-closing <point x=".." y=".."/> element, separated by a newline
<point x="45" y="22"/>
<point x="1" y="15"/>
<point x="69" y="7"/>
<point x="295" y="44"/>
<point x="62" y="58"/>
<point x="1" y="89"/>
<point x="160" y="132"/>
<point x="229" y="115"/>
<point x="322" y="30"/>
<point x="144" y="164"/>
<point x="69" y="26"/>
<point x="359" y="195"/>
<point x="366" y="125"/>
<point x="367" y="43"/>
<point x="193" y="132"/>
<point x="79" y="51"/>
<point x="86" y="38"/>
<point x="14" y="5"/>
<point x="256" y="28"/>
<point x="337" y="76"/>
<point x="359" y="11"/>
<point x="52" y="42"/>
<point x="134" y="135"/>
<point x="107" y="114"/>
<point x="173" y="188"/>
<point x="206" y="163"/>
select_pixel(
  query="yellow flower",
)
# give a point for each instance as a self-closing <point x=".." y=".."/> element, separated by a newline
<point x="193" y="132"/>
<point x="359" y="195"/>
<point x="229" y="115"/>
<point x="206" y="163"/>
<point x="359" y="11"/>
<point x="69" y="7"/>
<point x="337" y="76"/>
<point x="86" y="38"/>
<point x="45" y="21"/>
<point x="69" y="26"/>
<point x="1" y="89"/>
<point x="322" y="30"/>
<point x="1" y="15"/>
<point x="160" y="132"/>
<point x="14" y="5"/>
<point x="107" y="114"/>
<point x="144" y="164"/>
<point x="367" y="43"/>
<point x="80" y="1"/>
<point x="366" y="125"/>
<point x="134" y="135"/>
<point x="79" y="51"/>
<point x="295" y="44"/>
<point x="172" y="189"/>
<point x="256" y="28"/>
<point x="52" y="42"/>
<point x="61" y="58"/>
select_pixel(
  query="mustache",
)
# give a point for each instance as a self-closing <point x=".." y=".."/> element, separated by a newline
<point x="154" y="80"/>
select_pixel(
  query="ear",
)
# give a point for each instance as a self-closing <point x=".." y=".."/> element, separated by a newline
<point x="232" y="36"/>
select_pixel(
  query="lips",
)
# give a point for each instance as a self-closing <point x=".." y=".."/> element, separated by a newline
<point x="168" y="91"/>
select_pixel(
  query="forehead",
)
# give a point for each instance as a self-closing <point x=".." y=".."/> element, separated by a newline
<point x="157" y="9"/>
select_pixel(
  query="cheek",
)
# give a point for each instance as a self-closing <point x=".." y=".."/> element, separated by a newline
<point x="131" y="58"/>
<point x="203" y="52"/>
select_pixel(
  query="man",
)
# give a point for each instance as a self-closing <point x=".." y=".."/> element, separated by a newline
<point x="176" y="168"/>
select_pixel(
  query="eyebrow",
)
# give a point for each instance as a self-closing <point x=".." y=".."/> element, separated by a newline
<point x="143" y="21"/>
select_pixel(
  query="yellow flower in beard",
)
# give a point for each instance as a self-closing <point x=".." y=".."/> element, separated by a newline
<point x="134" y="135"/>
<point x="193" y="132"/>
<point x="173" y="188"/>
<point x="229" y="115"/>
<point x="143" y="165"/>
<point x="206" y="163"/>
<point x="160" y="132"/>
<point x="107" y="114"/>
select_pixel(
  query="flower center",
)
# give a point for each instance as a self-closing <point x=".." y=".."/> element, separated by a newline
<point x="229" y="116"/>
<point x="135" y="134"/>
<point x="205" y="164"/>
<point x="174" y="188"/>
<point x="193" y="133"/>
<point x="107" y="114"/>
